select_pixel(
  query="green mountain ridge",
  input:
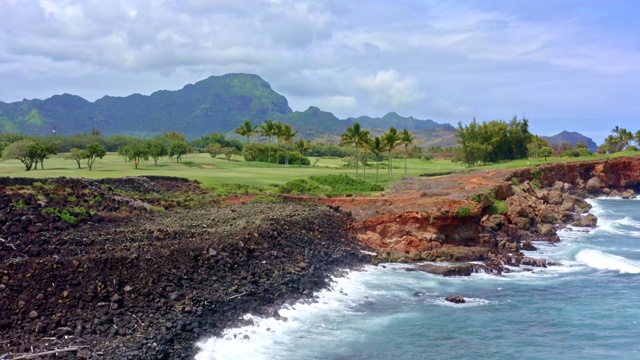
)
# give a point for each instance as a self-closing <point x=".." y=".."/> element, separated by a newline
<point x="218" y="103"/>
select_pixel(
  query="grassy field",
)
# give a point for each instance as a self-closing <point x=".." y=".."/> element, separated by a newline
<point x="210" y="171"/>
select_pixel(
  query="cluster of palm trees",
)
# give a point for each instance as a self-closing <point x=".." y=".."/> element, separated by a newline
<point x="387" y="142"/>
<point x="619" y="141"/>
<point x="284" y="133"/>
<point x="355" y="136"/>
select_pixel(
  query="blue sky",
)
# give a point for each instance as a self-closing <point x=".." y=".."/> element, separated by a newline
<point x="565" y="65"/>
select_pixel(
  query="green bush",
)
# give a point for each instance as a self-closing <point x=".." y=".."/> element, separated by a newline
<point x="584" y="152"/>
<point x="463" y="211"/>
<point x="571" y="153"/>
<point x="498" y="207"/>
<point x="343" y="184"/>
<point x="304" y="186"/>
<point x="260" y="152"/>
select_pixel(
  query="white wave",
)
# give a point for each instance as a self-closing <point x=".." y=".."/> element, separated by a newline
<point x="603" y="261"/>
<point x="469" y="302"/>
<point x="629" y="222"/>
<point x="337" y="315"/>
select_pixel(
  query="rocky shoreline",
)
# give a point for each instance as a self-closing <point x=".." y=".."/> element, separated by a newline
<point x="152" y="265"/>
<point x="150" y="285"/>
<point x="486" y="228"/>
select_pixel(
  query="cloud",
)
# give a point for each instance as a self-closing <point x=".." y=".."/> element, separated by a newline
<point x="445" y="60"/>
<point x="389" y="87"/>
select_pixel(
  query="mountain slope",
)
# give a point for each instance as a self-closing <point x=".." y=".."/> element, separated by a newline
<point x="572" y="138"/>
<point x="218" y="103"/>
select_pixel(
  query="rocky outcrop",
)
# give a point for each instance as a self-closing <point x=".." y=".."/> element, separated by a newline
<point x="536" y="202"/>
<point x="148" y="286"/>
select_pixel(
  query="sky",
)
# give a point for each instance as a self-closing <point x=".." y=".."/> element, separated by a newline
<point x="563" y="64"/>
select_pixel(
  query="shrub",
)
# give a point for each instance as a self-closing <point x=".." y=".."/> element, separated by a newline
<point x="304" y="186"/>
<point x="343" y="184"/>
<point x="260" y="152"/>
<point x="266" y="199"/>
<point x="463" y="211"/>
<point x="571" y="153"/>
<point x="498" y="207"/>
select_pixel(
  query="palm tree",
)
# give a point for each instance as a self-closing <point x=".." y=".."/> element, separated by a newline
<point x="366" y="140"/>
<point x="377" y="147"/>
<point x="246" y="129"/>
<point x="287" y="135"/>
<point x="302" y="145"/>
<point x="268" y="129"/>
<point x="406" y="138"/>
<point x="391" y="140"/>
<point x="278" y="129"/>
<point x="354" y="136"/>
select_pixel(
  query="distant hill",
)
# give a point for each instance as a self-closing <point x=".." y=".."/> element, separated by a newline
<point x="572" y="138"/>
<point x="218" y="103"/>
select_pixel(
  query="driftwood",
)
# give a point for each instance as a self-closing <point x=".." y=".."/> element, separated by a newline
<point x="51" y="352"/>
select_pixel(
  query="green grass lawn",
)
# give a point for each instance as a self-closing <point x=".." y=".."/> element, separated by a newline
<point x="210" y="171"/>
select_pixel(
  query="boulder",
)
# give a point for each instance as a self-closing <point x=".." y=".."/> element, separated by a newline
<point x="547" y="230"/>
<point x="593" y="185"/>
<point x="628" y="194"/>
<point x="456" y="299"/>
<point x="588" y="220"/>
<point x="453" y="270"/>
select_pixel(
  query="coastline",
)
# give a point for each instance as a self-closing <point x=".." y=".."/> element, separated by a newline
<point x="141" y="286"/>
<point x="152" y="285"/>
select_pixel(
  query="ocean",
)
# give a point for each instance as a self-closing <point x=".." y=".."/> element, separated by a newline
<point x="586" y="308"/>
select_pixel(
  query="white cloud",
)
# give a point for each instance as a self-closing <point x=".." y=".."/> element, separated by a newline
<point x="389" y="87"/>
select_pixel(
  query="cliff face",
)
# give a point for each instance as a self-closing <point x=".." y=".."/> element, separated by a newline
<point x="615" y="174"/>
<point x="488" y="216"/>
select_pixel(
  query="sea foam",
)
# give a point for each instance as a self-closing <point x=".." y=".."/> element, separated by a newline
<point x="604" y="261"/>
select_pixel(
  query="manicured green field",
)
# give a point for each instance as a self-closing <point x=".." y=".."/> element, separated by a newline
<point x="210" y="171"/>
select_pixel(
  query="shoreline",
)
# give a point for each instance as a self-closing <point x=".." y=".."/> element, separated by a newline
<point x="145" y="279"/>
<point x="154" y="284"/>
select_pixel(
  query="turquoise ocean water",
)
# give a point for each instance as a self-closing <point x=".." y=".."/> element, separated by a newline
<point x="588" y="308"/>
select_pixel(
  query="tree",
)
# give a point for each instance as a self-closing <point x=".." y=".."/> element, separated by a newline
<point x="302" y="146"/>
<point x="137" y="151"/>
<point x="40" y="150"/>
<point x="287" y="135"/>
<point x="18" y="150"/>
<point x="92" y="152"/>
<point x="536" y="144"/>
<point x="229" y="152"/>
<point x="174" y="136"/>
<point x="268" y="129"/>
<point x="78" y="155"/>
<point x="122" y="151"/>
<point x="377" y="147"/>
<point x="278" y="131"/>
<point x="178" y="148"/>
<point x="546" y="152"/>
<point x="636" y="137"/>
<point x="354" y="136"/>
<point x="157" y="149"/>
<point x="213" y="149"/>
<point x="391" y="139"/>
<point x="406" y="138"/>
<point x="246" y="129"/>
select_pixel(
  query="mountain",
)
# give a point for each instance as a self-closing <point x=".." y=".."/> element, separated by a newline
<point x="572" y="138"/>
<point x="393" y="119"/>
<point x="218" y="103"/>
